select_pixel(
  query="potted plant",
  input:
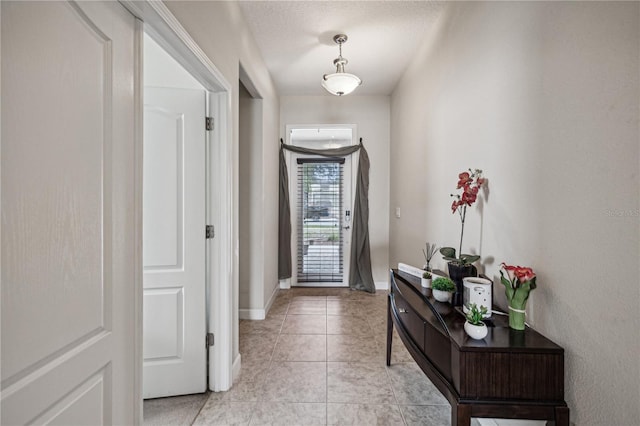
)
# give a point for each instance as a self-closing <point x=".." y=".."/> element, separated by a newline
<point x="518" y="283"/>
<point x="428" y="255"/>
<point x="426" y="279"/>
<point x="474" y="326"/>
<point x="442" y="287"/>
<point x="461" y="266"/>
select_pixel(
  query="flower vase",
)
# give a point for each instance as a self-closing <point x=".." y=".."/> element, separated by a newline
<point x="516" y="316"/>
<point x="457" y="273"/>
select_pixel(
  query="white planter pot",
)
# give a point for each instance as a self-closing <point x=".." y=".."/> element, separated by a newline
<point x="477" y="332"/>
<point x="441" y="296"/>
<point x="426" y="282"/>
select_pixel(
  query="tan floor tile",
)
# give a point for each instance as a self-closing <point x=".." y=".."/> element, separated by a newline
<point x="343" y="324"/>
<point x="257" y="346"/>
<point x="225" y="413"/>
<point x="364" y="414"/>
<point x="344" y="307"/>
<point x="358" y="383"/>
<point x="280" y="306"/>
<point x="179" y="410"/>
<point x="305" y="324"/>
<point x="412" y="387"/>
<point x="308" y="307"/>
<point x="301" y="347"/>
<point x="253" y="370"/>
<point x="289" y="413"/>
<point x="242" y="391"/>
<point x="270" y="325"/>
<point x="432" y="415"/>
<point x="296" y="382"/>
<point x="353" y="348"/>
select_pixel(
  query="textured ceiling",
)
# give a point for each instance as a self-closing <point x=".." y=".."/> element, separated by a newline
<point x="296" y="40"/>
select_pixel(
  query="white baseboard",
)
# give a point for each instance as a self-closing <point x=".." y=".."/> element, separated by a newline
<point x="237" y="365"/>
<point x="251" y="314"/>
<point x="272" y="299"/>
<point x="285" y="284"/>
<point x="258" y="314"/>
<point x="382" y="285"/>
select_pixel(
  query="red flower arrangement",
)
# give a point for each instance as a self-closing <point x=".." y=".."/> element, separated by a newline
<point x="470" y="183"/>
<point x="521" y="280"/>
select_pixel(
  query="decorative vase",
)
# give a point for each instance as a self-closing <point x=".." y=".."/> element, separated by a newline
<point x="457" y="273"/>
<point x="425" y="282"/>
<point x="441" y="296"/>
<point x="477" y="290"/>
<point x="517" y="315"/>
<point x="477" y="332"/>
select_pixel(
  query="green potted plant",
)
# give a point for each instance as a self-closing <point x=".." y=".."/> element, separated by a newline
<point x="518" y="283"/>
<point x="442" y="287"/>
<point x="460" y="264"/>
<point x="426" y="279"/>
<point x="474" y="326"/>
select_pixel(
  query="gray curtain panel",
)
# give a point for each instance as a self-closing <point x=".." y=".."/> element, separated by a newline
<point x="360" y="276"/>
<point x="284" y="223"/>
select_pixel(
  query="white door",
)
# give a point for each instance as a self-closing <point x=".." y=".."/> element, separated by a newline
<point x="70" y="235"/>
<point x="174" y="324"/>
<point x="321" y="214"/>
<point x="321" y="206"/>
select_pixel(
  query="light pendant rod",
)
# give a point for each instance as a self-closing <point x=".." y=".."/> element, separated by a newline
<point x="340" y="83"/>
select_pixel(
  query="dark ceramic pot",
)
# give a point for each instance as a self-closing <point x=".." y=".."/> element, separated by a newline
<point x="457" y="273"/>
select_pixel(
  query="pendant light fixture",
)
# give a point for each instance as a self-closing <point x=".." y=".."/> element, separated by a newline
<point x="340" y="83"/>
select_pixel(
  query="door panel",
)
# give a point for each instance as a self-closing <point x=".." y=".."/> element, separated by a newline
<point x="324" y="230"/>
<point x="174" y="325"/>
<point x="163" y="319"/>
<point x="68" y="172"/>
<point x="163" y="201"/>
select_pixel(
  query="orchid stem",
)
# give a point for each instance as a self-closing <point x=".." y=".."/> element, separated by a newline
<point x="463" y="212"/>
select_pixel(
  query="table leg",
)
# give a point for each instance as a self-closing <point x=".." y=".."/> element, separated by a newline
<point x="389" y="330"/>
<point x="562" y="416"/>
<point x="460" y="415"/>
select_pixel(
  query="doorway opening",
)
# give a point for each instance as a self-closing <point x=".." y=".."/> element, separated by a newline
<point x="220" y="276"/>
<point x="322" y="205"/>
<point x="174" y="210"/>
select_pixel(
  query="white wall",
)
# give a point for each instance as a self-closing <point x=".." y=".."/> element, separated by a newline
<point x="221" y="32"/>
<point x="544" y="98"/>
<point x="371" y="115"/>
<point x="251" y="207"/>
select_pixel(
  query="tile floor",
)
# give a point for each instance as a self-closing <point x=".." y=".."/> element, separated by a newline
<point x="317" y="359"/>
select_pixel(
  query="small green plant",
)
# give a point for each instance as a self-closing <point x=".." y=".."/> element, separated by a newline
<point x="475" y="315"/>
<point x="426" y="275"/>
<point x="443" y="284"/>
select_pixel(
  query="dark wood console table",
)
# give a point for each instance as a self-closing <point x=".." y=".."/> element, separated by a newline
<point x="509" y="374"/>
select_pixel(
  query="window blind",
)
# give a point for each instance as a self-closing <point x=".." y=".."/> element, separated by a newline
<point x="319" y="206"/>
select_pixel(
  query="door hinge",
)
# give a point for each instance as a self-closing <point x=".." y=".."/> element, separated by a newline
<point x="208" y="123"/>
<point x="210" y="339"/>
<point x="210" y="232"/>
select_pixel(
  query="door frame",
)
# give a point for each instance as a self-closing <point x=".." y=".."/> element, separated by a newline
<point x="158" y="21"/>
<point x="290" y="160"/>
